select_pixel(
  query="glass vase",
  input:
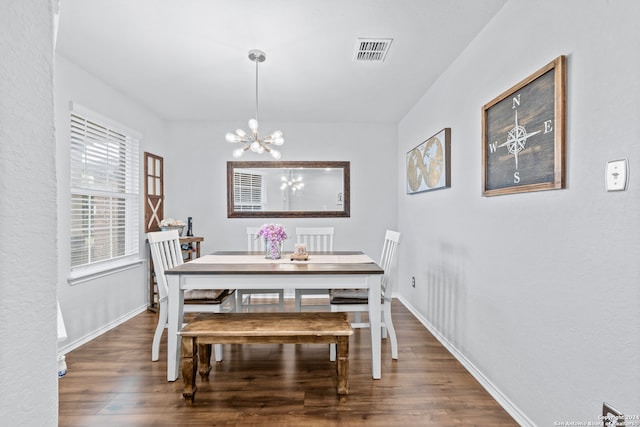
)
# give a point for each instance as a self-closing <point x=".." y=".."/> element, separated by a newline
<point x="273" y="250"/>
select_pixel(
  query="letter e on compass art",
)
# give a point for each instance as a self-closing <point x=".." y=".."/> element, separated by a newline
<point x="428" y="164"/>
<point x="523" y="134"/>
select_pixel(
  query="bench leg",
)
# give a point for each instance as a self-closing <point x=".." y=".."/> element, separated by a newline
<point x="189" y="367"/>
<point x="204" y="351"/>
<point x="343" y="367"/>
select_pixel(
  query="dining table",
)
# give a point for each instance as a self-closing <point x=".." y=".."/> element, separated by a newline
<point x="252" y="270"/>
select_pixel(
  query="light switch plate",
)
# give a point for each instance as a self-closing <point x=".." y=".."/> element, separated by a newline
<point x="617" y="175"/>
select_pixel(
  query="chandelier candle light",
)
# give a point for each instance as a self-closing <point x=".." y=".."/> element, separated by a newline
<point x="252" y="140"/>
<point x="273" y="235"/>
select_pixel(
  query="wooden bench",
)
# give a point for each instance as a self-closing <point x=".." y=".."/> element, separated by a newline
<point x="252" y="328"/>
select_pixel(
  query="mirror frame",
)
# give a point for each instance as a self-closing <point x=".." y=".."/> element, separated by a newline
<point x="345" y="212"/>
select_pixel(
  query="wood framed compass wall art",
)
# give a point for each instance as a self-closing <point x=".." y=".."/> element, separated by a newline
<point x="523" y="134"/>
<point x="428" y="164"/>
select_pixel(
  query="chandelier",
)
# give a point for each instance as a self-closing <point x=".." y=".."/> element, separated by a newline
<point x="295" y="184"/>
<point x="251" y="140"/>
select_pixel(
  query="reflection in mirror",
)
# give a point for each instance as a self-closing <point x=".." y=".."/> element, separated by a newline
<point x="287" y="189"/>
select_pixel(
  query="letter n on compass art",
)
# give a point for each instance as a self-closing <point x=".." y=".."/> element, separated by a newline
<point x="523" y="134"/>
<point x="428" y="164"/>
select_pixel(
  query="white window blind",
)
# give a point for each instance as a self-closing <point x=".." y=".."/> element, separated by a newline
<point x="248" y="191"/>
<point x="104" y="189"/>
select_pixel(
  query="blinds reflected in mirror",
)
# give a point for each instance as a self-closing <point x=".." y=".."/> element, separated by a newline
<point x="248" y="191"/>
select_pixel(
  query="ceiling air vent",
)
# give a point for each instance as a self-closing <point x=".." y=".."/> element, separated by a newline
<point x="372" y="50"/>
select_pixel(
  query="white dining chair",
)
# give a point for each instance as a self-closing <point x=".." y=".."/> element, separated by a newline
<point x="166" y="253"/>
<point x="317" y="239"/>
<point x="256" y="244"/>
<point x="357" y="300"/>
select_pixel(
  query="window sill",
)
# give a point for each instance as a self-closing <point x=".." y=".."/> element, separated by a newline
<point x="90" y="273"/>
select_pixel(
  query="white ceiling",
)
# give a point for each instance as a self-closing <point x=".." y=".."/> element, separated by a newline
<point x="188" y="59"/>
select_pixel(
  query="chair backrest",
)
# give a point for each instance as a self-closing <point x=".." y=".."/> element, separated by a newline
<point x="388" y="262"/>
<point x="166" y="254"/>
<point x="318" y="239"/>
<point x="254" y="244"/>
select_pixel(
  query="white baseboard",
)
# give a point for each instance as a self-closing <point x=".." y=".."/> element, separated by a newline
<point x="502" y="400"/>
<point x="85" y="339"/>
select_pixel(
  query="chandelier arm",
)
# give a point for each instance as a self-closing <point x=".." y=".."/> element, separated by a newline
<point x="242" y="139"/>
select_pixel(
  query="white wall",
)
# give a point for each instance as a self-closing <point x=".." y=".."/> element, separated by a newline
<point x="195" y="168"/>
<point x="27" y="216"/>
<point x="92" y="307"/>
<point x="554" y="330"/>
<point x="195" y="156"/>
<point x="538" y="292"/>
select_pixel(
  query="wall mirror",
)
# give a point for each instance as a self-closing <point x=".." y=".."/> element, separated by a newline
<point x="287" y="189"/>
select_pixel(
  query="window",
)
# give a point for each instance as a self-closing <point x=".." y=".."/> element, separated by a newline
<point x="104" y="189"/>
<point x="249" y="191"/>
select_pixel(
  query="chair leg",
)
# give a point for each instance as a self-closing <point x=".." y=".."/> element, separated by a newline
<point x="242" y="300"/>
<point x="332" y="352"/>
<point x="157" y="336"/>
<point x="298" y="300"/>
<point x="332" y="347"/>
<point x="281" y="300"/>
<point x="386" y="318"/>
<point x="232" y="303"/>
<point x="238" y="300"/>
<point x="217" y="348"/>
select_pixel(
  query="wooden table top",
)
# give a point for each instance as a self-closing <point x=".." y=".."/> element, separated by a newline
<point x="293" y="267"/>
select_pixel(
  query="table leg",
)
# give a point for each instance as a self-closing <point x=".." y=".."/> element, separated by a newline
<point x="374" y="320"/>
<point x="176" y="316"/>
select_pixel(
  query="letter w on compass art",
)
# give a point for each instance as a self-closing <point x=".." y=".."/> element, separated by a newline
<point x="428" y="164"/>
<point x="523" y="134"/>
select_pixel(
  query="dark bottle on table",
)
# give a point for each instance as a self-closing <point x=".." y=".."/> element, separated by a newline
<point x="189" y="227"/>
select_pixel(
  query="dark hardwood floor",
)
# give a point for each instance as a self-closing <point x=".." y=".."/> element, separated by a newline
<point x="111" y="381"/>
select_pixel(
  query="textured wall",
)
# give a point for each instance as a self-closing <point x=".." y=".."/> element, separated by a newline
<point x="27" y="216"/>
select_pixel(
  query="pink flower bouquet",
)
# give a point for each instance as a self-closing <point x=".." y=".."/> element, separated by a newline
<point x="274" y="235"/>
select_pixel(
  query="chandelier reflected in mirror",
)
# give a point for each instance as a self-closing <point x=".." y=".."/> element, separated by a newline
<point x="251" y="141"/>
<point x="295" y="184"/>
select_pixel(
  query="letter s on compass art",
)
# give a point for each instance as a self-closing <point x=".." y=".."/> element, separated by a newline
<point x="523" y="134"/>
<point x="428" y="164"/>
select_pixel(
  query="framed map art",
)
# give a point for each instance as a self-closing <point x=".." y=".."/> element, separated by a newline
<point x="428" y="164"/>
